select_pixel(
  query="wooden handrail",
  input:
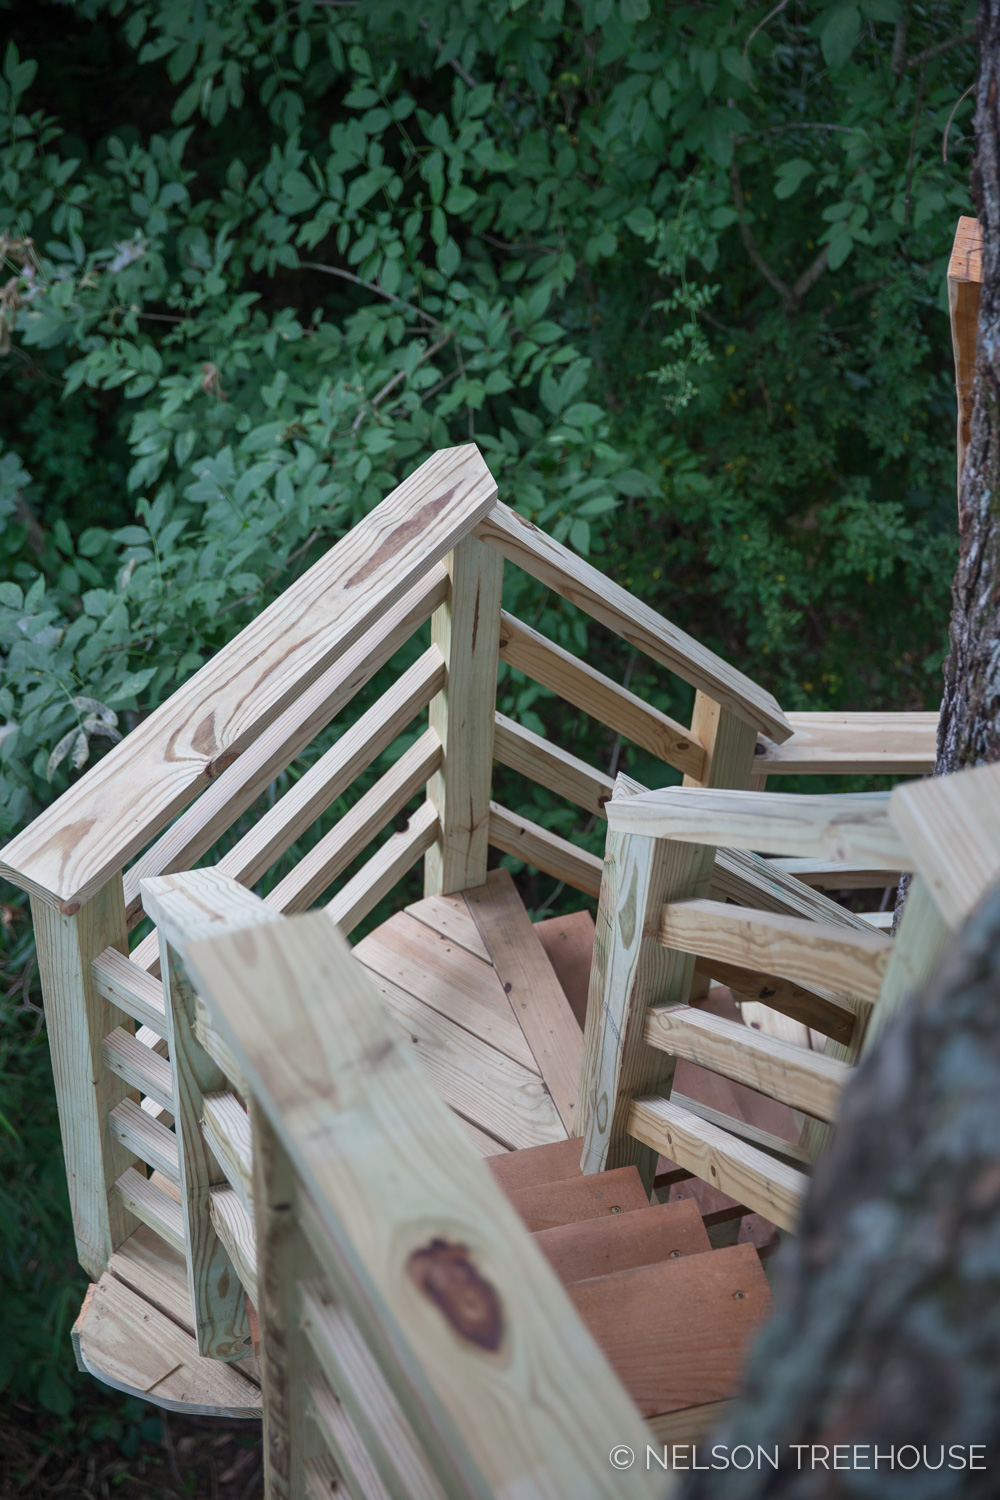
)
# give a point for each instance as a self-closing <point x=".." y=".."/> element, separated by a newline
<point x="856" y="744"/>
<point x="582" y="584"/>
<point x="73" y="847"/>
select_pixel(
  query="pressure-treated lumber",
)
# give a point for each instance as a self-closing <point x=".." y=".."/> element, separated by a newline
<point x="451" y="919"/>
<point x="530" y="652"/>
<point x="139" y="1066"/>
<point x="234" y="1225"/>
<point x="852" y="744"/>
<point x="598" y="596"/>
<point x="831" y="875"/>
<point x="750" y="880"/>
<point x="841" y="959"/>
<point x="225" y="1125"/>
<point x="147" y="1201"/>
<point x="334" y="772"/>
<point x="340" y="1119"/>
<point x="775" y="1145"/>
<point x="817" y="1012"/>
<point x="114" y="810"/>
<point x="768" y="1186"/>
<point x="343" y="1442"/>
<point x="77" y="1019"/>
<point x="965" y="275"/>
<point x="229" y="795"/>
<point x="540" y="760"/>
<point x="383" y="870"/>
<point x="951" y="825"/>
<point x="146" y="1138"/>
<point x="920" y="942"/>
<point x="545" y="850"/>
<point x="327" y="859"/>
<point x="127" y="986"/>
<point x="805" y="1080"/>
<point x="466" y="631"/>
<point x="855" y="829"/>
<point x="535" y="995"/>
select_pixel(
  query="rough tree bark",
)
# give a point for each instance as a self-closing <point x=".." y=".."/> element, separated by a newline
<point x="887" y="1326"/>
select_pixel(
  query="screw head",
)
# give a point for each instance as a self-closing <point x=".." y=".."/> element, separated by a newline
<point x="738" y="1296"/>
<point x="615" y="1208"/>
<point x="675" y="1254"/>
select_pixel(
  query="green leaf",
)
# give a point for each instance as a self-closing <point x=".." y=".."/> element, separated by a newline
<point x="634" y="10"/>
<point x="459" y="199"/>
<point x="839" y="35"/>
<point x="791" y="175"/>
<point x="838" y="249"/>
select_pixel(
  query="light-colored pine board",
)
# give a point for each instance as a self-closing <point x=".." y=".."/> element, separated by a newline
<point x="361" y="1478"/>
<point x="328" y="858"/>
<point x="599" y="1196"/>
<point x="124" y="984"/>
<point x="450" y="916"/>
<point x="766" y="1140"/>
<point x="920" y="941"/>
<point x="751" y="881"/>
<point x="139" y="1066"/>
<point x="230" y="794"/>
<point x="550" y="766"/>
<point x="804" y="1080"/>
<point x="530" y="652"/>
<point x="147" y="1201"/>
<point x="146" y="1138"/>
<point x="677" y="1332"/>
<point x="77" y="1019"/>
<point x="582" y="584"/>
<point x="853" y="744"/>
<point x="965" y="275"/>
<point x="225" y="1125"/>
<point x="855" y="828"/>
<point x="334" y="772"/>
<point x="819" y="1012"/>
<point x="841" y="959"/>
<point x="533" y="991"/>
<point x="235" y="1227"/>
<point x="73" y="847"/>
<point x="484" y="1144"/>
<point x="341" y="1115"/>
<point x="322" y="1479"/>
<point x="466" y="631"/>
<point x="218" y="1051"/>
<point x="502" y="1097"/>
<point x="769" y="1187"/>
<point x="619" y="1242"/>
<point x="354" y="1376"/>
<point x="128" y="1344"/>
<point x="447" y="978"/>
<point x="831" y="875"/>
<point x="545" y="850"/>
<point x="384" y="870"/>
<point x="951" y="826"/>
<point x="568" y="941"/>
<point x="156" y="1271"/>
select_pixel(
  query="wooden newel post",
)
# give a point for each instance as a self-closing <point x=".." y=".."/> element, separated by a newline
<point x="466" y="630"/>
<point x="77" y="1020"/>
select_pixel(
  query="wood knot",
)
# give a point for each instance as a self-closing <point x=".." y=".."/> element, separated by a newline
<point x="221" y="763"/>
<point x="445" y="1274"/>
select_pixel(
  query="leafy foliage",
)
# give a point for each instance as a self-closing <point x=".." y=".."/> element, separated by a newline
<point x="677" y="270"/>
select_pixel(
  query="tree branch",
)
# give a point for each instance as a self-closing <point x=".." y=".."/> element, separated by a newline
<point x="749" y="243"/>
<point x="369" y="286"/>
<point x="953" y="41"/>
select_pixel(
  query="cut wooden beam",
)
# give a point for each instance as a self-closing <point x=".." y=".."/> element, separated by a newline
<point x="550" y="766"/>
<point x="768" y="1186"/>
<point x="450" y="918"/>
<point x="145" y="1138"/>
<point x="530" y="652"/>
<point x="951" y="825"/>
<point x="139" y="1066"/>
<point x="774" y="1145"/>
<point x="545" y="850"/>
<point x="841" y="959"/>
<point x="126" y="985"/>
<point x="831" y="875"/>
<point x="327" y="859"/>
<point x="334" y="772"/>
<point x="852" y="828"/>
<point x="384" y="870"/>
<point x="234" y="1225"/>
<point x="598" y="596"/>
<point x="128" y="797"/>
<point x="965" y="275"/>
<point x="819" y="1012"/>
<point x="225" y="1125"/>
<point x="601" y="1195"/>
<point x="342" y="1439"/>
<point x="852" y="744"/>
<point x="152" y="1205"/>
<point x="805" y="1080"/>
<point x="618" y="1242"/>
<point x="751" y="881"/>
<point x="536" y="997"/>
<point x="230" y="794"/>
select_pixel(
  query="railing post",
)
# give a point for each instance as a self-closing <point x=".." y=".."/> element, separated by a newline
<point x="77" y="1020"/>
<point x="630" y="972"/>
<point x="466" y="630"/>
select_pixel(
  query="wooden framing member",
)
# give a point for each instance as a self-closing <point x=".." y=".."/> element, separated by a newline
<point x="530" y="652"/>
<point x="951" y="824"/>
<point x="965" y="276"/>
<point x="146" y="1138"/>
<point x="147" y="1202"/>
<point x="125" y="985"/>
<point x="540" y="760"/>
<point x="466" y="631"/>
<point x="385" y="869"/>
<point x="855" y="744"/>
<point x="824" y="1013"/>
<point x="140" y="1067"/>
<point x="545" y="850"/>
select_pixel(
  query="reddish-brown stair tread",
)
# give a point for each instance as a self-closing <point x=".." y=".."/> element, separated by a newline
<point x="535" y="1164"/>
<point x="619" y="1242"/>
<point x="602" y="1193"/>
<point x="676" y="1332"/>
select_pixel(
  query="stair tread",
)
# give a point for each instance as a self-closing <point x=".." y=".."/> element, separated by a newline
<point x="552" y="1162"/>
<point x="621" y="1242"/>
<point x="676" y="1332"/>
<point x="548" y="1204"/>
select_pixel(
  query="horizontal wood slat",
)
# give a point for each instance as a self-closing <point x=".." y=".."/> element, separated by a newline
<point x="545" y="850"/>
<point x="230" y="794"/>
<point x="540" y="760"/>
<point x="831" y="875"/>
<point x="806" y="1080"/>
<point x="530" y="652"/>
<point x="821" y="1013"/>
<point x="839" y="959"/>
<point x="147" y="1138"/>
<point x="770" y="1187"/>
<point x="385" y="869"/>
<point x="225" y="1125"/>
<point x="125" y="984"/>
<point x="765" y="1140"/>
<point x="335" y="771"/>
<point x="951" y="824"/>
<point x="855" y="744"/>
<point x="582" y="584"/>
<point x="153" y="1206"/>
<point x="234" y="1226"/>
<point x="855" y="829"/>
<point x="72" y="848"/>
<point x="330" y="857"/>
<point x="751" y="881"/>
<point x="125" y="1055"/>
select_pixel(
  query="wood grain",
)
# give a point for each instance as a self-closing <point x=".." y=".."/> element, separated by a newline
<point x="852" y="744"/>
<point x="128" y="987"/>
<point x="384" y="870"/>
<point x="951" y="826"/>
<point x="541" y="760"/>
<point x="618" y="1242"/>
<point x="146" y="1138"/>
<point x="602" y="1195"/>
<point x="545" y="850"/>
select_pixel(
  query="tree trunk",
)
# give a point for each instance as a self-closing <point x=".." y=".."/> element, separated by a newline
<point x="969" y="732"/>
